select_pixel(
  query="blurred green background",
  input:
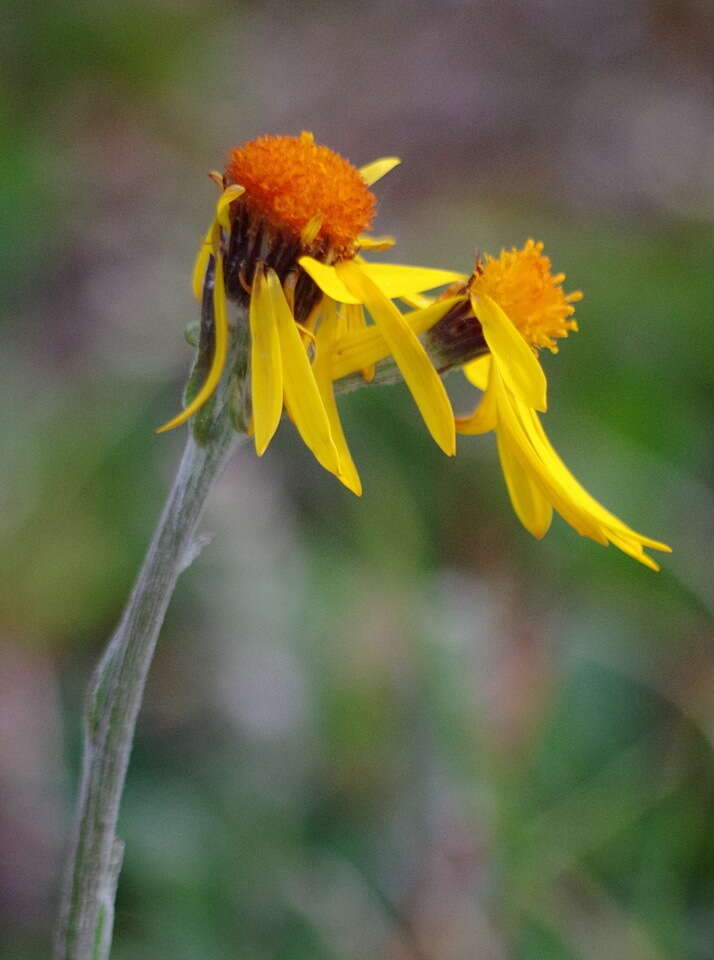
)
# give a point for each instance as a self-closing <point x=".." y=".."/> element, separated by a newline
<point x="398" y="727"/>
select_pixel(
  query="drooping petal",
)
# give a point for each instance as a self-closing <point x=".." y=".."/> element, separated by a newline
<point x="633" y="548"/>
<point x="409" y="354"/>
<point x="531" y="506"/>
<point x="326" y="335"/>
<point x="558" y="485"/>
<point x="478" y="371"/>
<point x="517" y="363"/>
<point x="219" y="354"/>
<point x="266" y="368"/>
<point x="399" y="280"/>
<point x="302" y="396"/>
<point x="224" y="201"/>
<point x="210" y="241"/>
<point x="198" y="275"/>
<point x="512" y="416"/>
<point x="485" y="416"/>
<point x="327" y="279"/>
<point x="374" y="171"/>
<point x="575" y="490"/>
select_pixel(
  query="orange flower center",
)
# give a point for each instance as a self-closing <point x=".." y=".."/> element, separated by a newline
<point x="521" y="283"/>
<point x="304" y="189"/>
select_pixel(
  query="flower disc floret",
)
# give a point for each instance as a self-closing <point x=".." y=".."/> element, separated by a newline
<point x="522" y="283"/>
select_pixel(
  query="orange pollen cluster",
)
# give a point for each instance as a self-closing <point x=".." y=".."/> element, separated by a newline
<point x="304" y="189"/>
<point x="522" y="284"/>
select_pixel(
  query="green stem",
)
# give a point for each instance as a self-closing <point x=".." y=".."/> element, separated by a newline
<point x="115" y="695"/>
<point x="114" y="700"/>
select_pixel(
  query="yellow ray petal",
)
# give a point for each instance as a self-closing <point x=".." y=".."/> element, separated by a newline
<point x="210" y="241"/>
<point x="531" y="506"/>
<point x="477" y="371"/>
<point x="300" y="389"/>
<point x="356" y="351"/>
<point x="224" y="201"/>
<point x="417" y="300"/>
<point x="377" y="169"/>
<point x="322" y="370"/>
<point x="354" y="320"/>
<point x="400" y="280"/>
<point x="266" y="369"/>
<point x="365" y="242"/>
<point x="359" y="350"/>
<point x="511" y="425"/>
<point x="568" y="497"/>
<point x="517" y="363"/>
<point x="355" y="323"/>
<point x="327" y="279"/>
<point x="199" y="268"/>
<point x="485" y="416"/>
<point x="634" y="549"/>
<point x="219" y="354"/>
<point x="576" y="491"/>
<point x="409" y="354"/>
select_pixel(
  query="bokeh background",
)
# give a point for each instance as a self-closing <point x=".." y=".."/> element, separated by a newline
<point x="398" y="727"/>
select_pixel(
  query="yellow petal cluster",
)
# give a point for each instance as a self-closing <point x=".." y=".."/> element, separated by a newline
<point x="291" y="371"/>
<point x="537" y="479"/>
<point x="310" y="207"/>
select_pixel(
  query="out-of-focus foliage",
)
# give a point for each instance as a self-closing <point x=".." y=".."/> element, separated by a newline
<point x="396" y="727"/>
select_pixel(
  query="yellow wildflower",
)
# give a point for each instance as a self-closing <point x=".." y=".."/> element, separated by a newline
<point x="284" y="246"/>
<point x="521" y="306"/>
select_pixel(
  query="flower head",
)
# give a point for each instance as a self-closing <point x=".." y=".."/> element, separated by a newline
<point x="284" y="247"/>
<point x="521" y="283"/>
<point x="306" y="191"/>
<point x="521" y="306"/>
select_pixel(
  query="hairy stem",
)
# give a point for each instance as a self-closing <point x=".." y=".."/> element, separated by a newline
<point x="114" y="698"/>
